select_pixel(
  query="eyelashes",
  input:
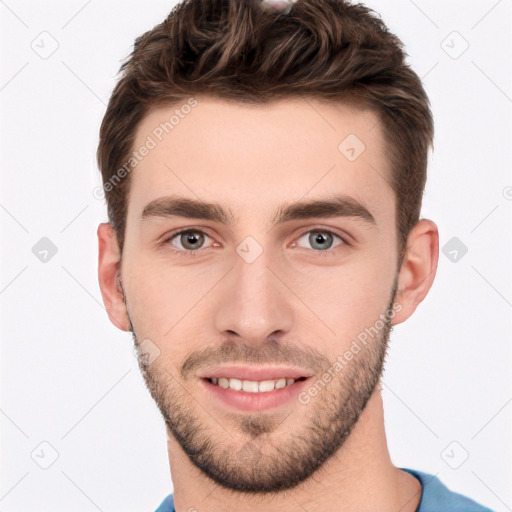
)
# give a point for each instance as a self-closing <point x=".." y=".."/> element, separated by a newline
<point x="317" y="236"/>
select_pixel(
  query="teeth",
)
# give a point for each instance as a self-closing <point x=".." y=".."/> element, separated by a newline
<point x="252" y="386"/>
<point x="235" y="384"/>
<point x="266" y="385"/>
<point x="247" y="385"/>
<point x="281" y="383"/>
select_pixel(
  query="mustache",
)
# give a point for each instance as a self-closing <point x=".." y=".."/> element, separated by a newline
<point x="271" y="353"/>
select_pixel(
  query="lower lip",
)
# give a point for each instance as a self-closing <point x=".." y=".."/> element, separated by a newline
<point x="245" y="401"/>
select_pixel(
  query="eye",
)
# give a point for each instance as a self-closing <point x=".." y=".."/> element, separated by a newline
<point x="321" y="240"/>
<point x="191" y="241"/>
<point x="187" y="240"/>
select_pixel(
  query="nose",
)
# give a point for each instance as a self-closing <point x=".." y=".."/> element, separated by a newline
<point x="254" y="303"/>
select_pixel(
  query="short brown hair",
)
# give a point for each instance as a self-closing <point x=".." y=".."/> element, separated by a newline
<point x="241" y="51"/>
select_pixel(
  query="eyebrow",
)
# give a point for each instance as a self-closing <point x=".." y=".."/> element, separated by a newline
<point x="335" y="206"/>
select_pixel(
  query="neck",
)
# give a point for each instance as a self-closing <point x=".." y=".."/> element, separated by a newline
<point x="359" y="477"/>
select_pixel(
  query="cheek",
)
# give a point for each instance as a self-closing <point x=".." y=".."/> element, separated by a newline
<point x="335" y="301"/>
<point x="347" y="298"/>
<point x="162" y="298"/>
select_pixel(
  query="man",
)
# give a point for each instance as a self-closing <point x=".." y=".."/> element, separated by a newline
<point x="264" y="164"/>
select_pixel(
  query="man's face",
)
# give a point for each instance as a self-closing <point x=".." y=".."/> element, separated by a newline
<point x="272" y="293"/>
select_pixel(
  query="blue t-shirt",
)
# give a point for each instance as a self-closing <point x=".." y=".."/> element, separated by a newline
<point x="435" y="497"/>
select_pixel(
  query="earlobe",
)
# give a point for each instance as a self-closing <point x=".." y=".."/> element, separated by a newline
<point x="418" y="269"/>
<point x="109" y="278"/>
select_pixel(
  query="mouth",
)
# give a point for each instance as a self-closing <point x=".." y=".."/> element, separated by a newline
<point x="253" y="386"/>
<point x="253" y="389"/>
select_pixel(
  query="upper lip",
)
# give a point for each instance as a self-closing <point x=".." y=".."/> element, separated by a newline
<point x="254" y="373"/>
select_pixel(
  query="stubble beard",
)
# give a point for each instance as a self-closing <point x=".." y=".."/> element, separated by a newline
<point x="255" y="456"/>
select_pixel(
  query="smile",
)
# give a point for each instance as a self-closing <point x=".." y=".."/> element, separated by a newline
<point x="253" y="386"/>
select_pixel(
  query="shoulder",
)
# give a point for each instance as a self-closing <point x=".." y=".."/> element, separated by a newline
<point x="167" y="505"/>
<point x="436" y="497"/>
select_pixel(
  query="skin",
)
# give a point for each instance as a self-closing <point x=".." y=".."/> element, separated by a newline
<point x="293" y="300"/>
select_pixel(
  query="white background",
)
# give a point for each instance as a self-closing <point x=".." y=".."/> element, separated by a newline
<point x="68" y="377"/>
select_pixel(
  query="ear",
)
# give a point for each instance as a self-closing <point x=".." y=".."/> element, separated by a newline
<point x="418" y="269"/>
<point x="109" y="277"/>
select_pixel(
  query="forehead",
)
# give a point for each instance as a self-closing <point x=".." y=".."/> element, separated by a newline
<point x="257" y="156"/>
